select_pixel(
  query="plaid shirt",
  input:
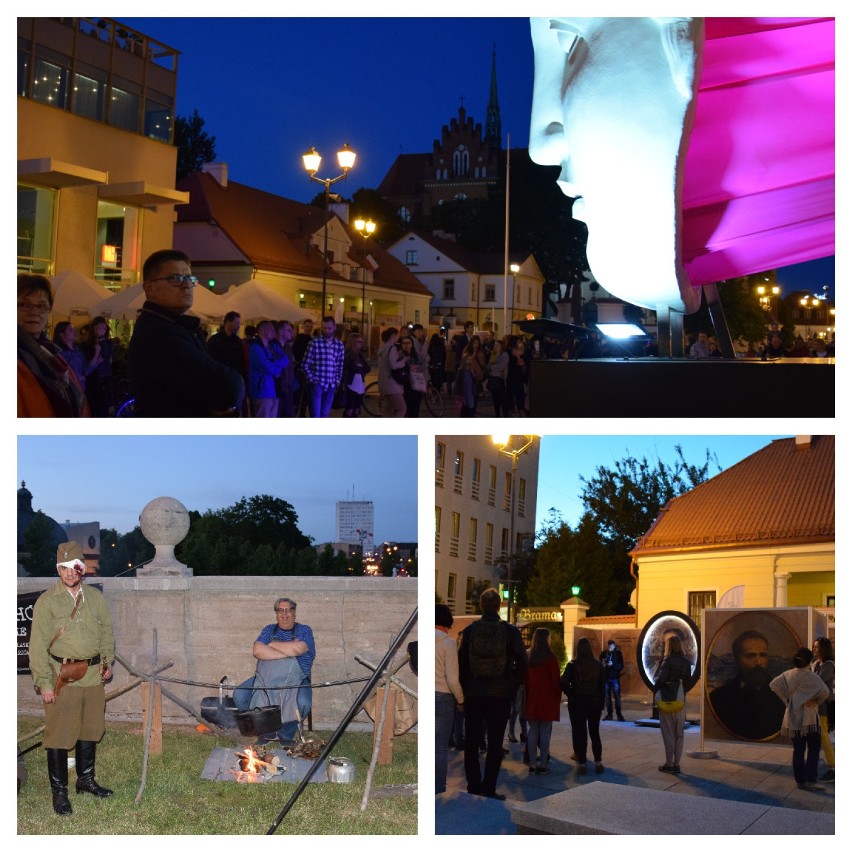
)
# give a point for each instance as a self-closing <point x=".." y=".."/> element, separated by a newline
<point x="323" y="362"/>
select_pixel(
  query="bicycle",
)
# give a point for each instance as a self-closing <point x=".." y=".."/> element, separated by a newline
<point x="372" y="401"/>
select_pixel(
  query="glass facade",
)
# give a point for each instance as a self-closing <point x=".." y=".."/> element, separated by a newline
<point x="36" y="216"/>
<point x="115" y="243"/>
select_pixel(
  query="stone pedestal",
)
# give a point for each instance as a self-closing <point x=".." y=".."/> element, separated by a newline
<point x="165" y="523"/>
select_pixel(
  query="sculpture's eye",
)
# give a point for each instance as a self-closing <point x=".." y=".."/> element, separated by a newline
<point x="572" y="42"/>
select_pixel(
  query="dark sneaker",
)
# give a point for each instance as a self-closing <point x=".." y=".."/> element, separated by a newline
<point x="599" y="768"/>
<point x="666" y="768"/>
<point x="828" y="777"/>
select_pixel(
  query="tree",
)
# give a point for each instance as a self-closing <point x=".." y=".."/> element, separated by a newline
<point x="620" y="505"/>
<point x="40" y="545"/>
<point x="119" y="553"/>
<point x="624" y="500"/>
<point x="195" y="146"/>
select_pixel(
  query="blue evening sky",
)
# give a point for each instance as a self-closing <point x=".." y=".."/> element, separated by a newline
<point x="565" y="458"/>
<point x="110" y="479"/>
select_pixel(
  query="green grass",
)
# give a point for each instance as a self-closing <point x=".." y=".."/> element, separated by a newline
<point x="176" y="800"/>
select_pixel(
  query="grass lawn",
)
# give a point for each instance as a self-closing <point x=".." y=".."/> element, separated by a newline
<point x="176" y="800"/>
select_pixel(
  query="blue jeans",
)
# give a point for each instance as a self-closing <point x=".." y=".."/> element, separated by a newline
<point x="287" y="731"/>
<point x="445" y="711"/>
<point x="320" y="400"/>
<point x="613" y="690"/>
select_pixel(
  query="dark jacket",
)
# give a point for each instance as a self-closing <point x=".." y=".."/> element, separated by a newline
<point x="573" y="687"/>
<point x="616" y="663"/>
<point x="227" y="349"/>
<point x="513" y="674"/>
<point x="171" y="373"/>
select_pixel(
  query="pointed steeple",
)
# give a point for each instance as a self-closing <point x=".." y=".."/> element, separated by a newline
<point x="493" y="133"/>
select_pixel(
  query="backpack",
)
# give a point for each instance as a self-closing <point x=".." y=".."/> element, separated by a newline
<point x="487" y="653"/>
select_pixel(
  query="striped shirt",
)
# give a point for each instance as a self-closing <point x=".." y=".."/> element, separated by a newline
<point x="300" y="633"/>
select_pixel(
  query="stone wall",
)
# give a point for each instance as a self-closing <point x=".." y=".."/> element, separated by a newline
<point x="207" y="626"/>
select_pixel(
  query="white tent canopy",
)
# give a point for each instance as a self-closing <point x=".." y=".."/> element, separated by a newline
<point x="76" y="294"/>
<point x="126" y="304"/>
<point x="256" y="300"/>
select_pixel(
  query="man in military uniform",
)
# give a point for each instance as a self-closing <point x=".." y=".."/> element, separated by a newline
<point x="71" y="624"/>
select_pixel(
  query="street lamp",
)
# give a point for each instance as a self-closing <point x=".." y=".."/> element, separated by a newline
<point x="514" y="269"/>
<point x="502" y="442"/>
<point x="366" y="228"/>
<point x="808" y="304"/>
<point x="764" y="298"/>
<point x="312" y="160"/>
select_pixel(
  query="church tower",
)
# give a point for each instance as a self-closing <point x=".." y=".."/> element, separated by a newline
<point x="493" y="134"/>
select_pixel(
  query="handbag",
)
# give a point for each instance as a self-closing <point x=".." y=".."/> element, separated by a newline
<point x="670" y="698"/>
<point x="417" y="382"/>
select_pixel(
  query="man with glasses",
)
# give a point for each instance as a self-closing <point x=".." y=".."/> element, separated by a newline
<point x="71" y="624"/>
<point x="171" y="372"/>
<point x="284" y="652"/>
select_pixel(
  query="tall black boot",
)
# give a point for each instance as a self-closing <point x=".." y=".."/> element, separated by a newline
<point x="86" y="771"/>
<point x="57" y="772"/>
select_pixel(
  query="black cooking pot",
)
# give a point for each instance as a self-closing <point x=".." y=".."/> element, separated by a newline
<point x="258" y="721"/>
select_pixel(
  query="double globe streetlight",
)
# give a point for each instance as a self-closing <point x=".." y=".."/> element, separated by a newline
<point x="312" y="160"/>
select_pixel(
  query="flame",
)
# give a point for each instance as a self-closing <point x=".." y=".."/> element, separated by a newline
<point x="253" y="762"/>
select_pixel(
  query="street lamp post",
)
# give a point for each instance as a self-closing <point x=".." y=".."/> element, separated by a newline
<point x="312" y="160"/>
<point x="502" y="442"/>
<point x="366" y="228"/>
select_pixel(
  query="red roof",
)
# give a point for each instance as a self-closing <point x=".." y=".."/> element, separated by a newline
<point x="782" y="494"/>
<point x="274" y="233"/>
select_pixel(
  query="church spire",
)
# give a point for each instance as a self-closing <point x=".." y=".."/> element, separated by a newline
<point x="493" y="133"/>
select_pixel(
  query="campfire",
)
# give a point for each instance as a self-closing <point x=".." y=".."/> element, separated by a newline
<point x="259" y="764"/>
<point x="254" y="768"/>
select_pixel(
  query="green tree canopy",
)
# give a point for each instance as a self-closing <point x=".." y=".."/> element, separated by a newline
<point x="40" y="546"/>
<point x="195" y="146"/>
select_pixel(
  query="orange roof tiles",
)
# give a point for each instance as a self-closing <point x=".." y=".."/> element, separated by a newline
<point x="782" y="494"/>
<point x="274" y="232"/>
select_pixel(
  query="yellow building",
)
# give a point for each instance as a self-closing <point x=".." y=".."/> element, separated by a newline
<point x="760" y="534"/>
<point x="96" y="163"/>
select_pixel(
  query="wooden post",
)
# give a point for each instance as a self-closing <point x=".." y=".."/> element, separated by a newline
<point x="156" y="746"/>
<point x="386" y="744"/>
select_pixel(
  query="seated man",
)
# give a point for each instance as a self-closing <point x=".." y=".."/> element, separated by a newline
<point x="285" y="652"/>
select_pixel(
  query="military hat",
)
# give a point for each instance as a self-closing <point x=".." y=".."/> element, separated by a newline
<point x="68" y="551"/>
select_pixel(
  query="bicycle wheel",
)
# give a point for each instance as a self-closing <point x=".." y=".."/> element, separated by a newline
<point x="434" y="402"/>
<point x="372" y="401"/>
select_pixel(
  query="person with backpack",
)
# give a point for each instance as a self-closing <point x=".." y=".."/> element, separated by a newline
<point x="673" y="670"/>
<point x="492" y="663"/>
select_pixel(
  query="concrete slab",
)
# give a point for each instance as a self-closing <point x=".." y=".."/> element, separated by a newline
<point x="603" y="808"/>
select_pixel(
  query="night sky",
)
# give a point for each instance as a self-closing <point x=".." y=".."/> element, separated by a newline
<point x="270" y="88"/>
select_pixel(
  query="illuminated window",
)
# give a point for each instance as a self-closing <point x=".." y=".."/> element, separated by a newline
<point x="699" y="601"/>
<point x="115" y="243"/>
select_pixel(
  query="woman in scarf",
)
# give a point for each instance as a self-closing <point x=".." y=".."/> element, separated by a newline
<point x="802" y="691"/>
<point x="47" y="386"/>
<point x="823" y="665"/>
<point x="355" y="367"/>
<point x="543" y="697"/>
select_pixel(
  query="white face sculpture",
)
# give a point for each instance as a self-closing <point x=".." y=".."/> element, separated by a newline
<point x="612" y="105"/>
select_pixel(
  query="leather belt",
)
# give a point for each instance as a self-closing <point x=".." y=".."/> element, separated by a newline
<point x="92" y="662"/>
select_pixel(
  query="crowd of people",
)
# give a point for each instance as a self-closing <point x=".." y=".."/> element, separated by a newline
<point x="488" y="679"/>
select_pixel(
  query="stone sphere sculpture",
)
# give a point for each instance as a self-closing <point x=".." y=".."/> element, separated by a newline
<point x="164" y="522"/>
